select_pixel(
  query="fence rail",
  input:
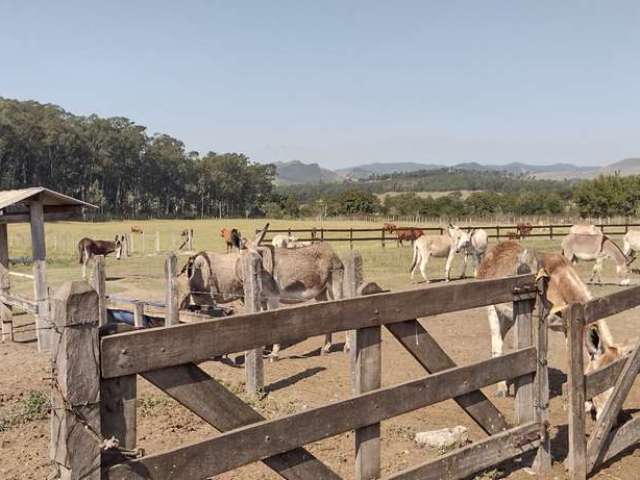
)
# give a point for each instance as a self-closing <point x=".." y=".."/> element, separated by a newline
<point x="498" y="232"/>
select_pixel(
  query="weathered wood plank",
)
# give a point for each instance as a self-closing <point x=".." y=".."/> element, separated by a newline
<point x="611" y="304"/>
<point x="542" y="462"/>
<point x="476" y="457"/>
<point x="424" y="348"/>
<point x="118" y="409"/>
<point x="604" y="378"/>
<point x="20" y="302"/>
<point x="575" y="385"/>
<point x="612" y="408"/>
<point x="43" y="332"/>
<point x="207" y="398"/>
<point x="620" y="439"/>
<point x="140" y="351"/>
<point x="254" y="363"/>
<point x="99" y="284"/>
<point x="6" y="315"/>
<point x="368" y="372"/>
<point x="523" y="315"/>
<point x="171" y="295"/>
<point x="75" y="438"/>
<point x="138" y="315"/>
<point x="248" y="444"/>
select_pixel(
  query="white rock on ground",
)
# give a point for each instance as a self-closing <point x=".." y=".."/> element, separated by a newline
<point x="443" y="439"/>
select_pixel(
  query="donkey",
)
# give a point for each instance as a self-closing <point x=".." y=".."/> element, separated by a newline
<point x="88" y="248"/>
<point x="476" y="247"/>
<point x="565" y="287"/>
<point x="631" y="244"/>
<point x="284" y="241"/>
<point x="601" y="353"/>
<point x="453" y="241"/>
<point x="596" y="246"/>
<point x="232" y="238"/>
<point x="288" y="276"/>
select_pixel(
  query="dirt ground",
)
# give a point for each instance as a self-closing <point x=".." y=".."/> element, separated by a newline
<point x="302" y="379"/>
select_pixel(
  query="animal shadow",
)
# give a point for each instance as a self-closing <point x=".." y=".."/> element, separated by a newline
<point x="293" y="379"/>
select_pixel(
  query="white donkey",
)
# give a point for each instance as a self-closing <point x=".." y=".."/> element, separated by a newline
<point x="453" y="241"/>
<point x="631" y="244"/>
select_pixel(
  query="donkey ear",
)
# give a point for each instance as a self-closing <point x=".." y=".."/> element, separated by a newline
<point x="594" y="341"/>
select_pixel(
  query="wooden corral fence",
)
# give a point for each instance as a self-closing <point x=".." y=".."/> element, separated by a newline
<point x="10" y="300"/>
<point x="94" y="414"/>
<point x="378" y="234"/>
<point x="607" y="438"/>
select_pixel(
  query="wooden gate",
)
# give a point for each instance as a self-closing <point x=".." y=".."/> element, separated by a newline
<point x="606" y="439"/>
<point x="94" y="420"/>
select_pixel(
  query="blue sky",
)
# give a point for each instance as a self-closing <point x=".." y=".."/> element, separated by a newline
<point x="343" y="82"/>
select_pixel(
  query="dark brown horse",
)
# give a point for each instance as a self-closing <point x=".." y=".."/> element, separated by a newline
<point x="88" y="248"/>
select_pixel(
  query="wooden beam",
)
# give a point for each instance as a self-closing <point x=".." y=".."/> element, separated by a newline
<point x="99" y="284"/>
<point x="118" y="410"/>
<point x="41" y="291"/>
<point x="620" y="439"/>
<point x="523" y="317"/>
<point x="254" y="442"/>
<point x="611" y="409"/>
<point x="171" y="294"/>
<point x="211" y="401"/>
<point x="466" y="461"/>
<point x="542" y="462"/>
<point x="604" y="378"/>
<point x="254" y="364"/>
<point x="75" y="396"/>
<point x="20" y="302"/>
<point x="145" y="350"/>
<point x="575" y="385"/>
<point x="611" y="304"/>
<point x="424" y="348"/>
<point x="6" y="315"/>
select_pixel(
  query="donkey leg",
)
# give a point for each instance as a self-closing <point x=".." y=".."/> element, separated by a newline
<point x="447" y="267"/>
<point x="597" y="268"/>
<point x="424" y="263"/>
<point x="499" y="325"/>
<point x="464" y="265"/>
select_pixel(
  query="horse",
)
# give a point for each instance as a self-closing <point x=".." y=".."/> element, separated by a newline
<point x="232" y="238"/>
<point x="88" y="248"/>
<point x="410" y="234"/>
<point x="595" y="247"/>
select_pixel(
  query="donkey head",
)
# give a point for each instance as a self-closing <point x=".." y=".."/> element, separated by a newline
<point x="460" y="239"/>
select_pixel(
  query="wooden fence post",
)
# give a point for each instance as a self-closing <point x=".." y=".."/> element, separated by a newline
<point x="550" y="232"/>
<point x="130" y="239"/>
<point x="171" y="296"/>
<point x="6" y="315"/>
<point x="498" y="232"/>
<point x="75" y="410"/>
<point x="366" y="368"/>
<point x="157" y="243"/>
<point x="142" y="240"/>
<point x="138" y="315"/>
<point x="382" y="238"/>
<point x="542" y="462"/>
<point x="40" y="275"/>
<point x="190" y="238"/>
<point x="577" y="457"/>
<point x="523" y="315"/>
<point x="99" y="284"/>
<point x="253" y="362"/>
<point x="351" y="238"/>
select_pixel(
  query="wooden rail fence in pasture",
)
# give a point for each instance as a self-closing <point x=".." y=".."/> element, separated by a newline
<point x="378" y="234"/>
<point x="94" y="419"/>
<point x="607" y="438"/>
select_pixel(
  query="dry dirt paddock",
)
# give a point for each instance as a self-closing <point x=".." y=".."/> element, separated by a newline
<point x="301" y="379"/>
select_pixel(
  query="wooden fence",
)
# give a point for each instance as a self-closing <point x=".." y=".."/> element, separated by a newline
<point x="607" y="438"/>
<point x="378" y="234"/>
<point x="94" y="414"/>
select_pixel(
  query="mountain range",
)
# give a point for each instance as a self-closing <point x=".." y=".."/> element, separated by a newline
<point x="297" y="172"/>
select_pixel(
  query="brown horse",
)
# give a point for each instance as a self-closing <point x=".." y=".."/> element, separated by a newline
<point x="88" y="248"/>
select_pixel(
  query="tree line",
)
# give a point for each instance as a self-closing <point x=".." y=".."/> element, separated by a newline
<point x="116" y="164"/>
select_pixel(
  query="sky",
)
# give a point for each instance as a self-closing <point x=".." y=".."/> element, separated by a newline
<point x="343" y="82"/>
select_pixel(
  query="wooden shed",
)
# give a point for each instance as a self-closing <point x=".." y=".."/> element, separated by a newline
<point x="35" y="205"/>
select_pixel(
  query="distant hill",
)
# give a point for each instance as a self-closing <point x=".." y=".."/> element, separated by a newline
<point x="294" y="172"/>
<point x="297" y="172"/>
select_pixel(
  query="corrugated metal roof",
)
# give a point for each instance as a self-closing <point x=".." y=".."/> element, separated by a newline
<point x="49" y="197"/>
